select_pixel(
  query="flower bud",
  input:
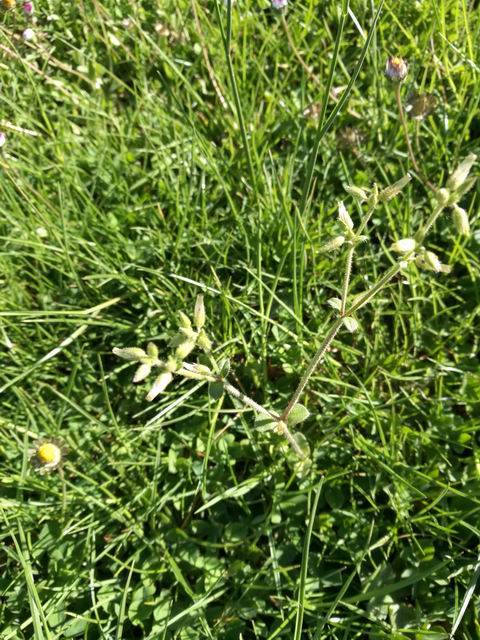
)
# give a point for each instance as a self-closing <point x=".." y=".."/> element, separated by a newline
<point x="344" y="216"/>
<point x="335" y="303"/>
<point x="202" y="369"/>
<point x="142" y="372"/>
<point x="152" y="350"/>
<point x="443" y="197"/>
<point x="356" y="192"/>
<point x="396" y="69"/>
<point x="184" y="320"/>
<point x="373" y="199"/>
<point x="336" y="243"/>
<point x="171" y="364"/>
<point x="279" y="4"/>
<point x="460" y="219"/>
<point x="132" y="354"/>
<point x="405" y="245"/>
<point x="160" y="384"/>
<point x="429" y="261"/>
<point x="189" y="334"/>
<point x="184" y="349"/>
<point x="458" y="177"/>
<point x="466" y="186"/>
<point x="204" y="342"/>
<point x="394" y="189"/>
<point x="199" y="313"/>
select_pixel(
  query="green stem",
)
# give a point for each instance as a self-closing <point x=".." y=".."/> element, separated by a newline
<point x="236" y="393"/>
<point x="368" y="215"/>
<point x="317" y="358"/>
<point x="384" y="280"/>
<point x="314" y="362"/>
<point x="422" y="232"/>
<point x="346" y="279"/>
<point x="282" y="428"/>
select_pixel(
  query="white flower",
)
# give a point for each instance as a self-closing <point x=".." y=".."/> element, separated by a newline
<point x="405" y="245"/>
<point x="160" y="384"/>
<point x="344" y="216"/>
<point x="28" y="35"/>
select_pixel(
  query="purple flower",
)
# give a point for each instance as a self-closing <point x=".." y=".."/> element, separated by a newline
<point x="28" y="8"/>
<point x="279" y="4"/>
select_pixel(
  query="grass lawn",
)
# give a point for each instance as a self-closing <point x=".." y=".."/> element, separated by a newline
<point x="155" y="151"/>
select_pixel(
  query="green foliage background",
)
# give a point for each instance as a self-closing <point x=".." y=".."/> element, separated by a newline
<point x="178" y="519"/>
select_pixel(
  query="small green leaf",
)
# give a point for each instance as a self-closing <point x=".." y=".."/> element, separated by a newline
<point x="224" y="367"/>
<point x="264" y="423"/>
<point x="335" y="303"/>
<point x="215" y="390"/>
<point x="351" y="324"/>
<point x="298" y="414"/>
<point x="132" y="354"/>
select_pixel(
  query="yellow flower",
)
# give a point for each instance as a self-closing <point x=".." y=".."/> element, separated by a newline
<point x="9" y="4"/>
<point x="46" y="456"/>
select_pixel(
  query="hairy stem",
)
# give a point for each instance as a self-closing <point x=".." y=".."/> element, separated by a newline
<point x="282" y="428"/>
<point x="236" y="393"/>
<point x="317" y="358"/>
<point x="422" y="232"/>
<point x="315" y="361"/>
<point x="346" y="278"/>
<point x="368" y="295"/>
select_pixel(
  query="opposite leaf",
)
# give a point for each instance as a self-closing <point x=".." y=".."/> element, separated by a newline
<point x="264" y="423"/>
<point x="215" y="390"/>
<point x="351" y="324"/>
<point x="298" y="414"/>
